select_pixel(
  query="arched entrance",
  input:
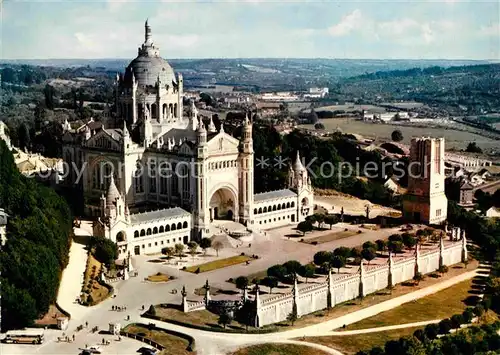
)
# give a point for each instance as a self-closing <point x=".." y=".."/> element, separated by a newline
<point x="222" y="204"/>
<point x="121" y="237"/>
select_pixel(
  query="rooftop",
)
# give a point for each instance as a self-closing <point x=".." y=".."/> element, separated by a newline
<point x="158" y="215"/>
<point x="270" y="195"/>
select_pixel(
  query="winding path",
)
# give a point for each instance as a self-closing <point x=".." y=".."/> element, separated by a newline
<point x="212" y="343"/>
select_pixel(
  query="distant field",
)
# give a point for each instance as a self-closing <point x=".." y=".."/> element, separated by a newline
<point x="404" y="105"/>
<point x="454" y="139"/>
<point x="349" y="108"/>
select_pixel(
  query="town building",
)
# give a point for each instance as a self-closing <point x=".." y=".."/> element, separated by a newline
<point x="425" y="201"/>
<point x="153" y="177"/>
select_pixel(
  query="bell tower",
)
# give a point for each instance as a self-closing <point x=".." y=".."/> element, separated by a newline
<point x="246" y="173"/>
<point x="425" y="201"/>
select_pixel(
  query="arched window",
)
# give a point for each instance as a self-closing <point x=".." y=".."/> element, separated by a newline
<point x="279" y="207"/>
<point x="164" y="111"/>
<point x="254" y="211"/>
<point x="175" y="110"/>
<point x="265" y="209"/>
<point x="179" y="225"/>
<point x="260" y="210"/>
<point x="288" y="205"/>
<point x="143" y="232"/>
<point x="185" y="224"/>
<point x="269" y="208"/>
<point x="161" y="229"/>
<point x="136" y="234"/>
<point x="172" y="227"/>
<point x="148" y="231"/>
<point x="167" y="228"/>
<point x="120" y="237"/>
<point x="293" y="204"/>
<point x="274" y="207"/>
<point x="155" y="230"/>
<point x="154" y="111"/>
<point x="283" y="206"/>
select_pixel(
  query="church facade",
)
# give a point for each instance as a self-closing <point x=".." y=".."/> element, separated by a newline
<point x="153" y="176"/>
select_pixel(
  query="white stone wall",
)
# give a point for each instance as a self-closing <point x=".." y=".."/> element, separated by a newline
<point x="347" y="287"/>
<point x="277" y="218"/>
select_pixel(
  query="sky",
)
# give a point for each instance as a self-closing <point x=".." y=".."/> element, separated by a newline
<point x="423" y="29"/>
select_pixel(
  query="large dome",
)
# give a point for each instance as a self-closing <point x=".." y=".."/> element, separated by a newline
<point x="148" y="65"/>
<point x="147" y="70"/>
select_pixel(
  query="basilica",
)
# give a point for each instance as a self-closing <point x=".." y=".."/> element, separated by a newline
<point x="154" y="176"/>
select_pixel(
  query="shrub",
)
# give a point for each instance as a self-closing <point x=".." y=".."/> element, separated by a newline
<point x="467" y="315"/>
<point x="445" y="326"/>
<point x="197" y="271"/>
<point x="478" y="310"/>
<point x="184" y="268"/>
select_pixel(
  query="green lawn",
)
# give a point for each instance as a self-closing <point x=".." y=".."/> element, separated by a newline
<point x="331" y="237"/>
<point x="173" y="344"/>
<point x="278" y="349"/>
<point x="351" y="344"/>
<point x="442" y="304"/>
<point x="219" y="264"/>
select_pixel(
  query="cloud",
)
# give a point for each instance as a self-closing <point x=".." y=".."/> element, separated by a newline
<point x="347" y="24"/>
<point x="492" y="30"/>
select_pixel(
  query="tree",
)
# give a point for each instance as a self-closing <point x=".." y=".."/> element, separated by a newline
<point x="152" y="310"/>
<point x="418" y="277"/>
<point x="205" y="243"/>
<point x="445" y="326"/>
<point x="241" y="282"/>
<point x="369" y="245"/>
<point x="331" y="220"/>
<point x="307" y="271"/>
<point x="409" y="241"/>
<point x="395" y="246"/>
<point x="397" y="136"/>
<point x="472" y="147"/>
<point x="271" y="282"/>
<point x="467" y="315"/>
<point x="368" y="254"/>
<point x="224" y="319"/>
<point x="319" y="218"/>
<point x="342" y="251"/>
<point x="304" y="227"/>
<point x="319" y="126"/>
<point x="24" y="137"/>
<point x="193" y="248"/>
<point x="443" y="269"/>
<point x="218" y="246"/>
<point x="321" y="258"/>
<point x="292" y="316"/>
<point x="313" y="117"/>
<point x="381" y="245"/>
<point x="292" y="267"/>
<point x="338" y="262"/>
<point x="246" y="314"/>
<point x="478" y="310"/>
<point x="419" y="334"/>
<point x="104" y="250"/>
<point x="179" y="250"/>
<point x="168" y="251"/>
<point x="456" y="320"/>
<point x="277" y="271"/>
<point x="431" y="331"/>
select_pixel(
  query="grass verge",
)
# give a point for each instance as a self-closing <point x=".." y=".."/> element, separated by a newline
<point x="330" y="237"/>
<point x="218" y="264"/>
<point x="442" y="304"/>
<point x="173" y="344"/>
<point x="94" y="292"/>
<point x="350" y="344"/>
<point x="158" y="277"/>
<point x="278" y="349"/>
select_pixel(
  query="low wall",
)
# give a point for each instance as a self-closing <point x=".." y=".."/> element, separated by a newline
<point x="348" y="287"/>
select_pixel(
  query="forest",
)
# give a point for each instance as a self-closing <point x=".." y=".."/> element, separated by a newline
<point x="38" y="239"/>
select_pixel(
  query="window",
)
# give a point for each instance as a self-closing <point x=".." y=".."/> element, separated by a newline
<point x="152" y="177"/>
<point x="438" y="213"/>
<point x="138" y="175"/>
<point x="136" y="234"/>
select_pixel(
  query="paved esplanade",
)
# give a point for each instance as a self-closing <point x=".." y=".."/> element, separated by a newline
<point x="134" y="293"/>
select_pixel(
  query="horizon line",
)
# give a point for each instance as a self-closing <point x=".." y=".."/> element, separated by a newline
<point x="283" y="58"/>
